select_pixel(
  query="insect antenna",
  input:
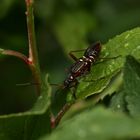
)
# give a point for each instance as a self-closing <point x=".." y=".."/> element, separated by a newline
<point x="61" y="86"/>
<point x="27" y="84"/>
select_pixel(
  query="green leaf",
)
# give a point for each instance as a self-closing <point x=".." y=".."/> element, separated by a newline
<point x="118" y="102"/>
<point x="30" y="124"/>
<point x="102" y="73"/>
<point x="113" y="86"/>
<point x="97" y="124"/>
<point x="86" y="89"/>
<point x="132" y="85"/>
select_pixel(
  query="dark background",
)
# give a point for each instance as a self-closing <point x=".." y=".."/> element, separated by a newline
<point x="61" y="26"/>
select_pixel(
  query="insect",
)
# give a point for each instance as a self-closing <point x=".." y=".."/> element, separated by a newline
<point x="82" y="65"/>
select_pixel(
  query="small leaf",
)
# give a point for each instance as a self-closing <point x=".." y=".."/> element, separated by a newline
<point x="97" y="124"/>
<point x="27" y="124"/>
<point x="132" y="85"/>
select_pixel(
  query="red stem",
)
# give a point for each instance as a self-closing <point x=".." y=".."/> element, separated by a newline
<point x="17" y="54"/>
<point x="33" y="54"/>
<point x="55" y="120"/>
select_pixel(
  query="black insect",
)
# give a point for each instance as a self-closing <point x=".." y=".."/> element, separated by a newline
<point x="82" y="65"/>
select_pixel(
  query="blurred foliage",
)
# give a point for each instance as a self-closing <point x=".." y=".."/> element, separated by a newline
<point x="107" y="126"/>
<point x="62" y="26"/>
<point x="24" y="125"/>
<point x="5" y="6"/>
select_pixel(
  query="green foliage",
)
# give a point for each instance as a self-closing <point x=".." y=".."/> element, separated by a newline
<point x="126" y="100"/>
<point x="101" y="123"/>
<point x="72" y="29"/>
<point x="25" y="125"/>
<point x="97" y="124"/>
<point x="118" y="102"/>
<point x="122" y="45"/>
<point x="5" y="7"/>
<point x="112" y="82"/>
<point x="131" y="86"/>
<point x="102" y="73"/>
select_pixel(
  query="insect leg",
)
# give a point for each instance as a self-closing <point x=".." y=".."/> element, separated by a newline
<point x="61" y="86"/>
<point x="106" y="59"/>
<point x="73" y="56"/>
<point x="27" y="84"/>
<point x="94" y="80"/>
<point x="74" y="88"/>
<point x="109" y="57"/>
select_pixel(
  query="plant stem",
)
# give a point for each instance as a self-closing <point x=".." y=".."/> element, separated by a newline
<point x="55" y="120"/>
<point x="33" y="55"/>
<point x="16" y="54"/>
